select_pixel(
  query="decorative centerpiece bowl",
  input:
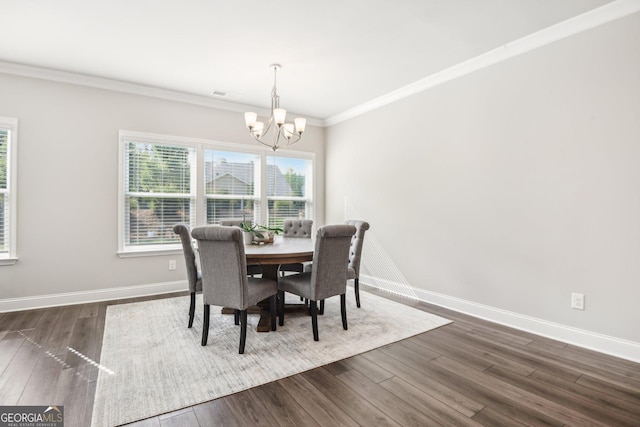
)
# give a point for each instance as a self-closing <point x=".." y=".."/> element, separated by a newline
<point x="257" y="234"/>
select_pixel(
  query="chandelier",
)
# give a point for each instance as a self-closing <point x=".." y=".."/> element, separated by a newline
<point x="276" y="133"/>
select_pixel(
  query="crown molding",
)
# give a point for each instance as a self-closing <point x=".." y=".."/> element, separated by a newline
<point x="593" y="18"/>
<point x="133" y="88"/>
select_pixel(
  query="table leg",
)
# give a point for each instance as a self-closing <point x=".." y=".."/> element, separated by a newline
<point x="264" y="324"/>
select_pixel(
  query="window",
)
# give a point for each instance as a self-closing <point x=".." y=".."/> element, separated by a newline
<point x="8" y="130"/>
<point x="232" y="185"/>
<point x="289" y="188"/>
<point x="159" y="191"/>
<point x="165" y="180"/>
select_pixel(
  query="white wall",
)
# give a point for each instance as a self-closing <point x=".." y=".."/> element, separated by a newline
<point x="67" y="187"/>
<point x="512" y="187"/>
<point x="506" y="189"/>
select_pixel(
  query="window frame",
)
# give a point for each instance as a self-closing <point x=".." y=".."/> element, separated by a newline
<point x="201" y="198"/>
<point x="11" y="125"/>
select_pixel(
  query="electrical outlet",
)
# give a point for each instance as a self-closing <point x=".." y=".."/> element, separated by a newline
<point x="577" y="301"/>
<point x="172" y="264"/>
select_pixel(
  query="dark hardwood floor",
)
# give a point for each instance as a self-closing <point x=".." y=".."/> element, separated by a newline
<point x="471" y="372"/>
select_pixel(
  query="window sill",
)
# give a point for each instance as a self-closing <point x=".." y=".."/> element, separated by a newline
<point x="143" y="252"/>
<point x="8" y="261"/>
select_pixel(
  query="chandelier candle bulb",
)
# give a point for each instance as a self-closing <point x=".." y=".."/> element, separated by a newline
<point x="300" y="125"/>
<point x="288" y="130"/>
<point x="279" y="115"/>
<point x="250" y="119"/>
<point x="257" y="129"/>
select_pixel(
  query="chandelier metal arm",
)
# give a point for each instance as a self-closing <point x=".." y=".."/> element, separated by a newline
<point x="277" y="137"/>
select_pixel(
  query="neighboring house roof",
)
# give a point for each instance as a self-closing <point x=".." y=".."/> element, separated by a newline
<point x="277" y="184"/>
<point x="240" y="171"/>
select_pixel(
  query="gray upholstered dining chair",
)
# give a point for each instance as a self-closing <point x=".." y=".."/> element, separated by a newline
<point x="328" y="276"/>
<point x="252" y="270"/>
<point x="355" y="254"/>
<point x="193" y="274"/>
<point x="224" y="278"/>
<point x="300" y="229"/>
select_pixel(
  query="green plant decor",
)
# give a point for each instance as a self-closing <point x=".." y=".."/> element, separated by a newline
<point x="251" y="228"/>
<point x="274" y="230"/>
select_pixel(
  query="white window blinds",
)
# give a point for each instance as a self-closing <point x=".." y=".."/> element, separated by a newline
<point x="289" y="188"/>
<point x="232" y="185"/>
<point x="4" y="192"/>
<point x="165" y="180"/>
<point x="8" y="140"/>
<point x="159" y="192"/>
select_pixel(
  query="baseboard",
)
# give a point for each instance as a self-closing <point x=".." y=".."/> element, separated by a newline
<point x="594" y="341"/>
<point x="71" y="298"/>
<point x="613" y="346"/>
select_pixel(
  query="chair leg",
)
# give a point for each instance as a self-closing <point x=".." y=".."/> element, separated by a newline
<point x="281" y="307"/>
<point x="321" y="307"/>
<point x="343" y="310"/>
<point x="314" y="319"/>
<point x="243" y="330"/>
<point x="192" y="308"/>
<point x="205" y="324"/>
<point x="308" y="305"/>
<point x="272" y="309"/>
<point x="236" y="316"/>
<point x="356" y="288"/>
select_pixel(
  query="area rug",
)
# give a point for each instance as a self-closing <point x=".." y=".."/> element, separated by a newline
<point x="151" y="363"/>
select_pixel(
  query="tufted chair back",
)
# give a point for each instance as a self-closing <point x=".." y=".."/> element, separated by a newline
<point x="297" y="228"/>
<point x="355" y="253"/>
<point x="300" y="228"/>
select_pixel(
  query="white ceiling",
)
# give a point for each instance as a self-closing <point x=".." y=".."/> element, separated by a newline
<point x="336" y="54"/>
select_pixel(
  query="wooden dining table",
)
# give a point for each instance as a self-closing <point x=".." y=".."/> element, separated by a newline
<point x="270" y="256"/>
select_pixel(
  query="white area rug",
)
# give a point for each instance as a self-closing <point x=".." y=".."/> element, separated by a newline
<point x="152" y="363"/>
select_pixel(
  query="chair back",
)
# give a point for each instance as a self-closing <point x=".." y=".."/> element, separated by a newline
<point x="355" y="253"/>
<point x="184" y="231"/>
<point x="233" y="221"/>
<point x="224" y="266"/>
<point x="297" y="228"/>
<point x="330" y="261"/>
